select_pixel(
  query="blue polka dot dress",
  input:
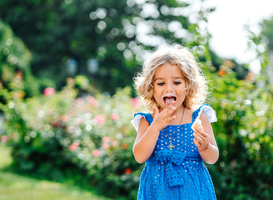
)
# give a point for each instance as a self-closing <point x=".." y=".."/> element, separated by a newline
<point x="178" y="173"/>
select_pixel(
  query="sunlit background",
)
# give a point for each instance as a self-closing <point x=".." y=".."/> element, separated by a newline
<point x="67" y="93"/>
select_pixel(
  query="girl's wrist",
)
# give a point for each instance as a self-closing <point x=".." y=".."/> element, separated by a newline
<point x="205" y="148"/>
<point x="155" y="127"/>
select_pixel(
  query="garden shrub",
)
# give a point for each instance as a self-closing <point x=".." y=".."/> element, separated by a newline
<point x="57" y="131"/>
<point x="243" y="132"/>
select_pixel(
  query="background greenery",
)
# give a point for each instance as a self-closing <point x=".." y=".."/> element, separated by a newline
<point x="60" y="123"/>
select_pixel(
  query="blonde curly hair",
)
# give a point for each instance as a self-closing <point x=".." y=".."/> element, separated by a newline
<point x="196" y="84"/>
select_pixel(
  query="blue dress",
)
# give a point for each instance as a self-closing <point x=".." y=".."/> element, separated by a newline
<point x="178" y="173"/>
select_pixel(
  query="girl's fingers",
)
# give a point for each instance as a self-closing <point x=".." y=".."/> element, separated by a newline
<point x="170" y="109"/>
<point x="199" y="135"/>
<point x="172" y="118"/>
<point x="170" y="112"/>
<point x="196" y="143"/>
<point x="156" y="110"/>
<point x="199" y="139"/>
<point x="202" y="134"/>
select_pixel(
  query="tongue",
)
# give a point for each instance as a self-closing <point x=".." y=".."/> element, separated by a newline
<point x="168" y="101"/>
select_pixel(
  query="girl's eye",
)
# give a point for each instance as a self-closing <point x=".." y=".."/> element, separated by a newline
<point x="177" y="83"/>
<point x="162" y="83"/>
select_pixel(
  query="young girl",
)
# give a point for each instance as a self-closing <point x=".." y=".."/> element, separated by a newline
<point x="172" y="88"/>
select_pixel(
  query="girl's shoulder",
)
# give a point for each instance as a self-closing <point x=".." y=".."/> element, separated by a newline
<point x="205" y="108"/>
<point x="138" y="116"/>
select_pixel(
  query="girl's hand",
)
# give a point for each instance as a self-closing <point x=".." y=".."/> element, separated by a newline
<point x="201" y="139"/>
<point x="163" y="118"/>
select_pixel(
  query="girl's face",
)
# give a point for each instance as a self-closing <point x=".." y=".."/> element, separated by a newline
<point x="169" y="86"/>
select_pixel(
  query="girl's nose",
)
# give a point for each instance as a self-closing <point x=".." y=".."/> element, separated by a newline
<point x="169" y="87"/>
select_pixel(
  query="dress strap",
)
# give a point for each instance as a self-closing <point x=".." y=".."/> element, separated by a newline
<point x="137" y="117"/>
<point x="210" y="113"/>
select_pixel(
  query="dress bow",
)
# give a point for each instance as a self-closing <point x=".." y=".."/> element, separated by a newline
<point x="172" y="158"/>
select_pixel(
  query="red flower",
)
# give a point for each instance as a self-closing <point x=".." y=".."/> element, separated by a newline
<point x="128" y="171"/>
<point x="73" y="146"/>
<point x="4" y="139"/>
<point x="49" y="91"/>
<point x="114" y="117"/>
<point x="100" y="119"/>
<point x="124" y="146"/>
<point x="222" y="72"/>
<point x="56" y="123"/>
<point x="96" y="152"/>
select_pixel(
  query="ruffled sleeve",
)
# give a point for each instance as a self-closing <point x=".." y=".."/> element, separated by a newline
<point x="210" y="113"/>
<point x="137" y="117"/>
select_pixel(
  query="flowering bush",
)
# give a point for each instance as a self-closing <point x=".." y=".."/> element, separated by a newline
<point x="243" y="132"/>
<point x="59" y="131"/>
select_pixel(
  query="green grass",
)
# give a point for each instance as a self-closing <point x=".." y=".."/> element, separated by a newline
<point x="14" y="186"/>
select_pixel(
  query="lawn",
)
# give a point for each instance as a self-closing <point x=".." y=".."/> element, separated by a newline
<point x="18" y="187"/>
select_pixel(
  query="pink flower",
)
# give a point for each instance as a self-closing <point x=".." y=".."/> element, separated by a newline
<point x="114" y="117"/>
<point x="105" y="145"/>
<point x="96" y="152"/>
<point x="135" y="102"/>
<point x="72" y="113"/>
<point x="73" y="146"/>
<point x="100" y="119"/>
<point x="78" y="120"/>
<point x="79" y="101"/>
<point x="92" y="101"/>
<point x="64" y="118"/>
<point x="128" y="171"/>
<point x="4" y="139"/>
<point x="49" y="91"/>
<point x="106" y="139"/>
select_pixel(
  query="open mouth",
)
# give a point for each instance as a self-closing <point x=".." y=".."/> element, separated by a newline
<point x="168" y="100"/>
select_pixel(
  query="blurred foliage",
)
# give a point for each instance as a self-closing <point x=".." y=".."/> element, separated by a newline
<point x="114" y="36"/>
<point x="244" y="130"/>
<point x="267" y="31"/>
<point x="15" y="72"/>
<point x="52" y="133"/>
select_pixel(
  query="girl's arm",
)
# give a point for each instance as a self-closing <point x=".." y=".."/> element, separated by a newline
<point x="145" y="141"/>
<point x="205" y="141"/>
<point x="147" y="135"/>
